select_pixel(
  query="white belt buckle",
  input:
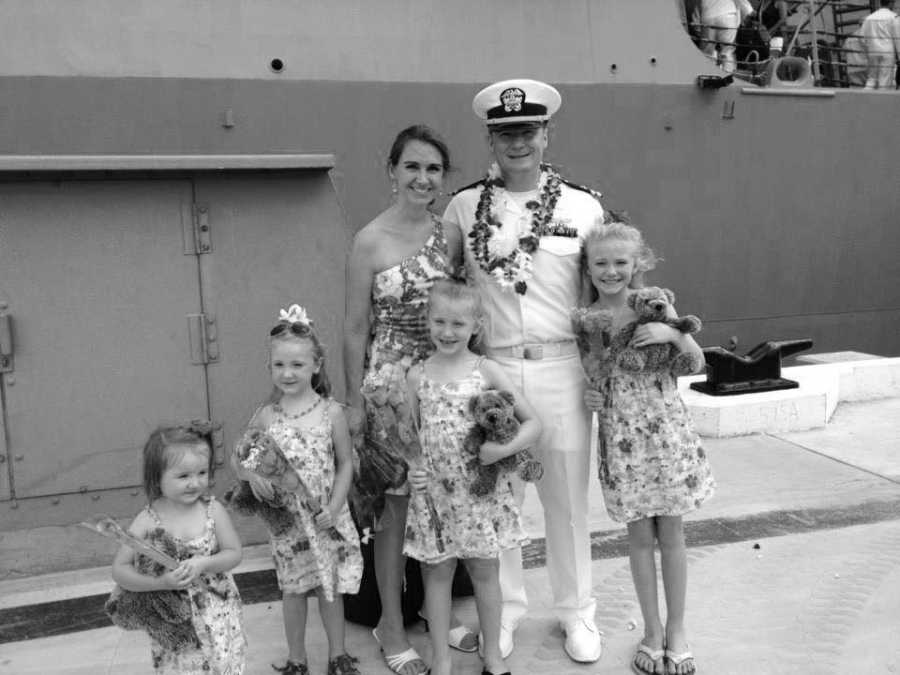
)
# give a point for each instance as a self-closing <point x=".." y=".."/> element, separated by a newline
<point x="533" y="352"/>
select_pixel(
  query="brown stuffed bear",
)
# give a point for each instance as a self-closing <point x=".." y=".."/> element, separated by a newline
<point x="276" y="517"/>
<point x="495" y="421"/>
<point x="165" y="615"/>
<point x="651" y="304"/>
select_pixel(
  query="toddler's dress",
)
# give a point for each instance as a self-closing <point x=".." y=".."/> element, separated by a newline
<point x="307" y="557"/>
<point x="399" y="338"/>
<point x="471" y="527"/>
<point x="216" y="609"/>
<point x="651" y="461"/>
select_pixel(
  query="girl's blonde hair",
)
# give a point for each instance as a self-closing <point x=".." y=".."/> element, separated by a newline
<point x="157" y="458"/>
<point x="457" y="289"/>
<point x="644" y="255"/>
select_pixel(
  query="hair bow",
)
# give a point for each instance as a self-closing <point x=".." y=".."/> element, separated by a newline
<point x="294" y="314"/>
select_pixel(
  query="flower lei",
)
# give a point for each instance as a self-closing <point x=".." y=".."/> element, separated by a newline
<point x="515" y="269"/>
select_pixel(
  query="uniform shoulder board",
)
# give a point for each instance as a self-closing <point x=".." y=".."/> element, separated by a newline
<point x="468" y="187"/>
<point x="583" y="188"/>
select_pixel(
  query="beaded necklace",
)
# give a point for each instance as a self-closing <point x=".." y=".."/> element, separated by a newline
<point x="516" y="268"/>
<point x="303" y="413"/>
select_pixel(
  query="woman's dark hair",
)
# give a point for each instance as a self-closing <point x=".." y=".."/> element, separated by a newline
<point x="423" y="133"/>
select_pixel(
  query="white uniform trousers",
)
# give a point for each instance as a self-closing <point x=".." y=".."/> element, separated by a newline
<point x="555" y="389"/>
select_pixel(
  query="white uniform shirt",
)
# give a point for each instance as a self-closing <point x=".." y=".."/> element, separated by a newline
<point x="881" y="31"/>
<point x="542" y="314"/>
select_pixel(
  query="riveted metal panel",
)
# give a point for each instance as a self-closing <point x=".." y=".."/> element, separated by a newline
<point x="279" y="239"/>
<point x="98" y="288"/>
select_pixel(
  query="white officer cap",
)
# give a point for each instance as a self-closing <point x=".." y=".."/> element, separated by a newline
<point x="516" y="101"/>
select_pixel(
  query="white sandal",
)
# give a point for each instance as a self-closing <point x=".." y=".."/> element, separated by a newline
<point x="456" y="636"/>
<point x="396" y="661"/>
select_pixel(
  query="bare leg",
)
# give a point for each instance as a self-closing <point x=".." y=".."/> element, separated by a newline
<point x="438" y="582"/>
<point x="641" y="554"/>
<point x="485" y="573"/>
<point x="390" y="564"/>
<point x="333" y="621"/>
<point x="293" y="609"/>
<point x="674" y="571"/>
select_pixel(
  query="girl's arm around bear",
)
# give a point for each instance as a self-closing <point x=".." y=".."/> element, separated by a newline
<point x="530" y="428"/>
<point x="658" y="333"/>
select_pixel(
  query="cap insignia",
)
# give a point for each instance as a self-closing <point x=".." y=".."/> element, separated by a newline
<point x="512" y="99"/>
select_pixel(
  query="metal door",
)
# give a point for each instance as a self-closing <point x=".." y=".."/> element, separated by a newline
<point x="275" y="239"/>
<point x="97" y="279"/>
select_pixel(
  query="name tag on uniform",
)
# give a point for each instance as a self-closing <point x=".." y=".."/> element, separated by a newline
<point x="559" y="228"/>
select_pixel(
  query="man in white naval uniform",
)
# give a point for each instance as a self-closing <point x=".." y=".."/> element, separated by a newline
<point x="527" y="230"/>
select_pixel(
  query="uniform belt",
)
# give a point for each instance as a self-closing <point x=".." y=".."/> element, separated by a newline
<point x="535" y="351"/>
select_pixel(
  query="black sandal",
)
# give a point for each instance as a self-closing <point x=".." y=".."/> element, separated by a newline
<point x="343" y="665"/>
<point x="292" y="668"/>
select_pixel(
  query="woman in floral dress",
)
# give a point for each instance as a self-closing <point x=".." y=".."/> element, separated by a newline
<point x="393" y="263"/>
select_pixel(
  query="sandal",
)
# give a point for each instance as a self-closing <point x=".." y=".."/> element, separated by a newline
<point x="292" y="668"/>
<point x="343" y="665"/>
<point x="654" y="655"/>
<point x="396" y="661"/>
<point x="456" y="636"/>
<point x="677" y="659"/>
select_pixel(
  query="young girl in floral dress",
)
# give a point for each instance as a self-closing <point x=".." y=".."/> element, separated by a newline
<point x="473" y="529"/>
<point x="653" y="468"/>
<point x="177" y="466"/>
<point x="320" y="552"/>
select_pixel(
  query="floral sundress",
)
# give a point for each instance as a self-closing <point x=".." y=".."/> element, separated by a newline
<point x="399" y="338"/>
<point x="216" y="610"/>
<point x="307" y="557"/>
<point x="470" y="526"/>
<point x="651" y="461"/>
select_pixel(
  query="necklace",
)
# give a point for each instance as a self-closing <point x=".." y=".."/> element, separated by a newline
<point x="516" y="268"/>
<point x="295" y="416"/>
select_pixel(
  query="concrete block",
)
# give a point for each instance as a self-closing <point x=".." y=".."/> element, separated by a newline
<point x="821" y="387"/>
<point x="835" y="357"/>
<point x="868" y="380"/>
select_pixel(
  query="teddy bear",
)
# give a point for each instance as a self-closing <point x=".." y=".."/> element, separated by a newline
<point x="651" y="304"/>
<point x="165" y="615"/>
<point x="495" y="421"/>
<point x="272" y="512"/>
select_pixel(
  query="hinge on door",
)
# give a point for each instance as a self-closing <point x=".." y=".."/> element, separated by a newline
<point x="202" y="237"/>
<point x="7" y="363"/>
<point x="202" y="339"/>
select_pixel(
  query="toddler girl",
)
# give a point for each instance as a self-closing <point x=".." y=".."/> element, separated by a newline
<point x="474" y="529"/>
<point x="177" y="468"/>
<point x="320" y="551"/>
<point x="652" y="466"/>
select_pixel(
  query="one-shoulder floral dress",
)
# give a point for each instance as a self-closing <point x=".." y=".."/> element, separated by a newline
<point x="307" y="557"/>
<point x="652" y="462"/>
<point x="399" y="338"/>
<point x="216" y="615"/>
<point x="470" y="526"/>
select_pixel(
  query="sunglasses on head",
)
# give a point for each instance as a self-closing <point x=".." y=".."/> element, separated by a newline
<point x="297" y="328"/>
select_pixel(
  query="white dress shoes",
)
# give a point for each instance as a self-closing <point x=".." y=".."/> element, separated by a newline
<point x="582" y="640"/>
